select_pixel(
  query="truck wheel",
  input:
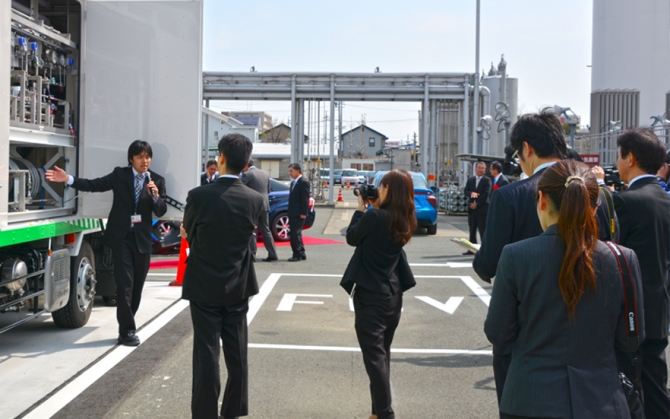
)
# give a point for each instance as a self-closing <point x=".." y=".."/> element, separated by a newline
<point x="82" y="290"/>
<point x="432" y="229"/>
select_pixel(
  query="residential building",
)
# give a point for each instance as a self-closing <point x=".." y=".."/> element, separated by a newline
<point x="361" y="142"/>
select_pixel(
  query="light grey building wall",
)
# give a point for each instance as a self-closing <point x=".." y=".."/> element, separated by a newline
<point x="362" y="142"/>
<point x="609" y="105"/>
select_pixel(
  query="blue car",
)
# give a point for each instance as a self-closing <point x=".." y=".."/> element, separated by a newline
<point x="425" y="201"/>
<point x="278" y="215"/>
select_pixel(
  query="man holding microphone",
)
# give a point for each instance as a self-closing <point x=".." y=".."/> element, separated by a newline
<point x="137" y="193"/>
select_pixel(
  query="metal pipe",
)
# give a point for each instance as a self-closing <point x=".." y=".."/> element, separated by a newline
<point x="294" y="131"/>
<point x="475" y="99"/>
<point x="332" y="140"/>
<point x="486" y="106"/>
<point x="425" y="145"/>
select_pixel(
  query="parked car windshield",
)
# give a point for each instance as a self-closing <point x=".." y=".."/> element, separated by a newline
<point x="419" y="181"/>
<point x="349" y="173"/>
<point x="276" y="185"/>
<point x="337" y="172"/>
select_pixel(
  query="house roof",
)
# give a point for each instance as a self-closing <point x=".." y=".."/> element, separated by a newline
<point x="223" y="118"/>
<point x="363" y="127"/>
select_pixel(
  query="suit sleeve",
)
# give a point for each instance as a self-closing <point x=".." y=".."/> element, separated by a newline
<point x="622" y="215"/>
<point x="159" y="207"/>
<point x="362" y="224"/>
<point x="500" y="222"/>
<point x="304" y="198"/>
<point x="501" y="325"/>
<point x="101" y="184"/>
<point x="467" y="190"/>
<point x="190" y="215"/>
<point x="485" y="191"/>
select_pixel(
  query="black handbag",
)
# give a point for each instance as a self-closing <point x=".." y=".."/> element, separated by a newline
<point x="629" y="386"/>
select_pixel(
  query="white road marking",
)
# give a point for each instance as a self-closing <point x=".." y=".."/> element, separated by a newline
<point x="173" y="274"/>
<point x="449" y="307"/>
<point x="287" y="301"/>
<point x="257" y="300"/>
<point x="356" y="349"/>
<point x="68" y="393"/>
<point x="445" y="265"/>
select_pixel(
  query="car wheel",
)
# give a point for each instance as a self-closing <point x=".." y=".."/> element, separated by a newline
<point x="432" y="229"/>
<point x="280" y="228"/>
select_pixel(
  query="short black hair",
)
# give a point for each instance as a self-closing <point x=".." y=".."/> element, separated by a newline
<point x="645" y="146"/>
<point x="295" y="166"/>
<point x="542" y="131"/>
<point x="211" y="162"/>
<point x="237" y="149"/>
<point x="138" y="147"/>
<point x="497" y="166"/>
<point x="573" y="155"/>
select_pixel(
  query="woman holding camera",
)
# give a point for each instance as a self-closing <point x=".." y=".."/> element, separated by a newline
<point x="378" y="274"/>
<point x="559" y="299"/>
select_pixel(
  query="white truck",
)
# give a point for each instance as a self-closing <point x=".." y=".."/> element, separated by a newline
<point x="82" y="79"/>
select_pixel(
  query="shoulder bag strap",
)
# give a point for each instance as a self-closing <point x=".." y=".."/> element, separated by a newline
<point x="630" y="302"/>
<point x="609" y="201"/>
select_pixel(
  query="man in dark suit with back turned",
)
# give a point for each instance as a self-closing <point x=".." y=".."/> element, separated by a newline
<point x="137" y="193"/>
<point x="539" y="142"/>
<point x="219" y="221"/>
<point x="644" y="226"/>
<point x="477" y="190"/>
<point x="298" y="207"/>
<point x="259" y="181"/>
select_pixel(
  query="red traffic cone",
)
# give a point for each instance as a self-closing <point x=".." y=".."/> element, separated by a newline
<point x="181" y="267"/>
<point x="339" y="196"/>
<point x="348" y="187"/>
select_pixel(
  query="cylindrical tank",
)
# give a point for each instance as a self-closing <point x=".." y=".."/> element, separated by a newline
<point x="631" y="50"/>
<point x="497" y="144"/>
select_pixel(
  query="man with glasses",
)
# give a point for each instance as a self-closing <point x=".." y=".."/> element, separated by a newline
<point x="539" y="142"/>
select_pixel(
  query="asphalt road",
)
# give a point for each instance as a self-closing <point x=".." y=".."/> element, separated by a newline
<point x="303" y="357"/>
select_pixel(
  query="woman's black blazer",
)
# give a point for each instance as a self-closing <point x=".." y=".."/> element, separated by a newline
<point x="379" y="263"/>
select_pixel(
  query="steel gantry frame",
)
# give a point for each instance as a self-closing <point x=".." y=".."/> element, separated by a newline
<point x="427" y="88"/>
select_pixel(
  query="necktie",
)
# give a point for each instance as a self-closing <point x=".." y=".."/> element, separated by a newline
<point x="477" y="182"/>
<point x="292" y="183"/>
<point x="139" y="181"/>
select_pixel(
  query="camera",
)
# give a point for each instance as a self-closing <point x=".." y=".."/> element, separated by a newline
<point x="511" y="165"/>
<point x="612" y="177"/>
<point x="367" y="191"/>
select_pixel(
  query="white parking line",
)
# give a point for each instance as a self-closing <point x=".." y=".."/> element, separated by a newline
<point x="356" y="349"/>
<point x="65" y="395"/>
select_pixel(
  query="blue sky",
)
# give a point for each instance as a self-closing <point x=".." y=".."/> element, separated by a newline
<point x="547" y="46"/>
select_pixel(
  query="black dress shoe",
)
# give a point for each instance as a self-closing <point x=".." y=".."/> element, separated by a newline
<point x="469" y="253"/>
<point x="294" y="259"/>
<point x="303" y="257"/>
<point x="269" y="259"/>
<point x="129" y="339"/>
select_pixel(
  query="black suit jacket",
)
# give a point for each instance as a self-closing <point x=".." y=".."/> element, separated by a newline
<point x="512" y="217"/>
<point x="122" y="182"/>
<point x="298" y="199"/>
<point x="379" y="264"/>
<point x="566" y="367"/>
<point x="644" y="221"/>
<point x="220" y="219"/>
<point x="205" y="181"/>
<point x="502" y="181"/>
<point x="484" y="191"/>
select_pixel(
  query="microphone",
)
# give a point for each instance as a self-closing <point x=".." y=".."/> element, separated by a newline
<point x="148" y="176"/>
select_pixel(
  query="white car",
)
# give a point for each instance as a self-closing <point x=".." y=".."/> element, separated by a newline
<point x="351" y="176"/>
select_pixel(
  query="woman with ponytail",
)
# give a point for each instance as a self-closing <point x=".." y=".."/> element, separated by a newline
<point x="558" y="298"/>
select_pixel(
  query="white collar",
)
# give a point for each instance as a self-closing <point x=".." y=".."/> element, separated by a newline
<point x="230" y="176"/>
<point x="638" y="178"/>
<point x="495" y="179"/>
<point x="543" y="166"/>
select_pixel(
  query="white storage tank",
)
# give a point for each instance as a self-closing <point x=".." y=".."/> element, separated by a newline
<point x="631" y="50"/>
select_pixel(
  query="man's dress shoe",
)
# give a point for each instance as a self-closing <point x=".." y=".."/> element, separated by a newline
<point x="129" y="339"/>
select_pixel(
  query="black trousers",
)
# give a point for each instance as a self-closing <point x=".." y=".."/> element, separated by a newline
<point x="130" y="272"/>
<point x="377" y="317"/>
<point x="476" y="221"/>
<point x="268" y="241"/>
<point x="212" y="325"/>
<point x="501" y="365"/>
<point x="295" y="225"/>
<point x="653" y="376"/>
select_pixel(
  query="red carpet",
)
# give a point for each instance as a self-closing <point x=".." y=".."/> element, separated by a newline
<point x="307" y="241"/>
